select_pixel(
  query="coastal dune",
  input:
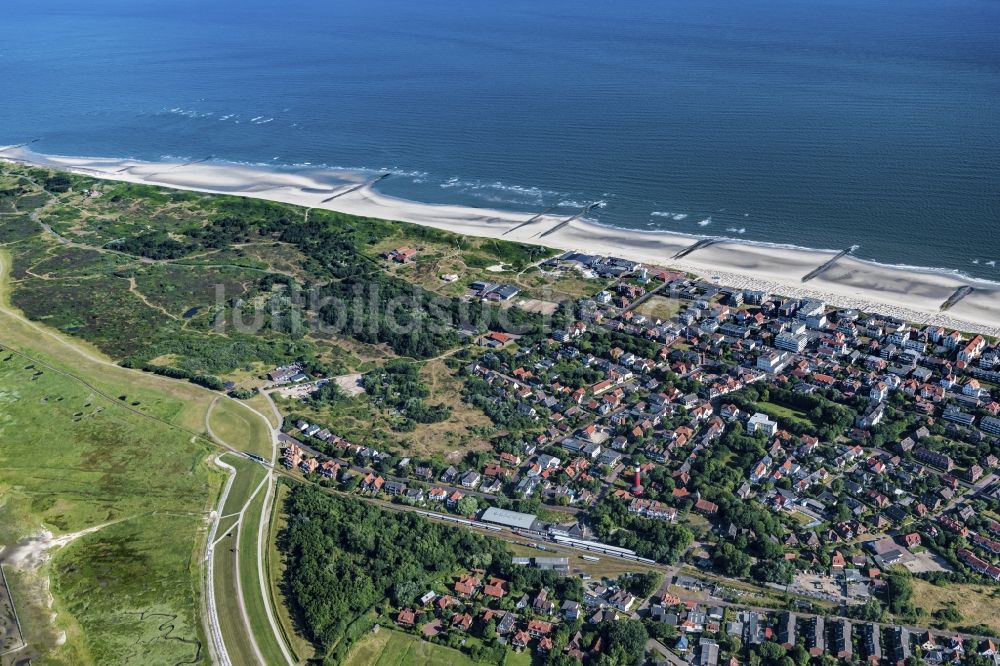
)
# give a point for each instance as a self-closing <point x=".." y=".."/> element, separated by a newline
<point x="912" y="294"/>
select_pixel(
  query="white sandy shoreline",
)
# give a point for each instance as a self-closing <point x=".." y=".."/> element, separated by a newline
<point x="911" y="294"/>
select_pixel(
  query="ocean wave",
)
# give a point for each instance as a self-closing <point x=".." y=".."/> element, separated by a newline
<point x="734" y="230"/>
<point x="189" y="113"/>
<point x="707" y="221"/>
<point x="324" y="166"/>
<point x="741" y="241"/>
<point x="221" y="116"/>
<point x="666" y="213"/>
<point x="497" y="199"/>
<point x="498" y="186"/>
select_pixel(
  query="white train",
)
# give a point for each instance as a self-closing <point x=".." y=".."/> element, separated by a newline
<point x="603" y="548"/>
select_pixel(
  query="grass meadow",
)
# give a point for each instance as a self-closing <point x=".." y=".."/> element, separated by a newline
<point x="393" y="648"/>
<point x="72" y="459"/>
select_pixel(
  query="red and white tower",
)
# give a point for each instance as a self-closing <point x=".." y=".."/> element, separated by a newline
<point x="637" y="486"/>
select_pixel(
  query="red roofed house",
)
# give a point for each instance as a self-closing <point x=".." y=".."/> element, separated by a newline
<point x="466" y="586"/>
<point x="496" y="588"/>
<point x="600" y="387"/>
<point x="329" y="469"/>
<point x="406" y="617"/>
<point x="538" y="628"/>
<point x="495" y="339"/>
<point x="403" y="255"/>
<point x="706" y="507"/>
<point x="973" y="349"/>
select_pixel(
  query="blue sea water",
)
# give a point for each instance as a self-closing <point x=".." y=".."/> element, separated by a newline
<point x="820" y="123"/>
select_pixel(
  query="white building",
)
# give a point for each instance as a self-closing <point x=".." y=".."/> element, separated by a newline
<point x="790" y="342"/>
<point x="761" y="422"/>
<point x="773" y="361"/>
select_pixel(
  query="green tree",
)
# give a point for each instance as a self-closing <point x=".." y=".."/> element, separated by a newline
<point x="625" y="642"/>
<point x="731" y="561"/>
<point x="467" y="506"/>
<point x="899" y="592"/>
<point x="771" y="653"/>
<point x="490" y="630"/>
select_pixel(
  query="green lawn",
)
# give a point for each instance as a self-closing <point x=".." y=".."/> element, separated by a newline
<point x="393" y="648"/>
<point x="662" y="307"/>
<point x="524" y="658"/>
<point x="801" y="518"/>
<point x="248" y="476"/>
<point x="777" y="411"/>
<point x="239" y="427"/>
<point x="253" y="594"/>
<point x="234" y="629"/>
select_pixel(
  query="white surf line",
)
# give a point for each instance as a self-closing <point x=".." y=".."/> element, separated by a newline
<point x="212" y="614"/>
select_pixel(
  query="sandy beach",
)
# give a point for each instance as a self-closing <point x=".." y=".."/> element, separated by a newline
<point x="911" y="294"/>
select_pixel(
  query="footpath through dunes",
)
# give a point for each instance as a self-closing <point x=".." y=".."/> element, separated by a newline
<point x="120" y="458"/>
